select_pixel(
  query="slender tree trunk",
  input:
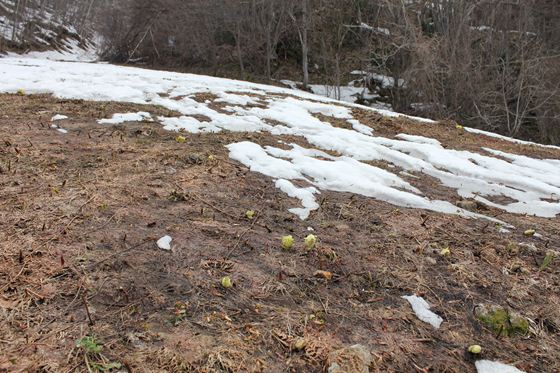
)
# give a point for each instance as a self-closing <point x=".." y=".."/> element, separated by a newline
<point x="269" y="26"/>
<point x="14" y="29"/>
<point x="238" y="46"/>
<point x="337" y="76"/>
<point x="268" y="60"/>
<point x="304" y="44"/>
<point x="86" y="16"/>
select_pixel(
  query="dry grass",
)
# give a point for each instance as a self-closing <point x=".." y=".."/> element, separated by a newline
<point x="80" y="214"/>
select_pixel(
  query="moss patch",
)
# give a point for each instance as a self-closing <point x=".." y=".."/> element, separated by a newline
<point x="502" y="321"/>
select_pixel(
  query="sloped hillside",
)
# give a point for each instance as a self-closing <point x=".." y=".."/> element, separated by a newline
<point x="33" y="26"/>
<point x="156" y="221"/>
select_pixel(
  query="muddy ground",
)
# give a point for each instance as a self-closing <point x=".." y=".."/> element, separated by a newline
<point x="83" y="286"/>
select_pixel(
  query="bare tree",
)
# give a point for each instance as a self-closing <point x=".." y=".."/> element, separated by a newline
<point x="301" y="17"/>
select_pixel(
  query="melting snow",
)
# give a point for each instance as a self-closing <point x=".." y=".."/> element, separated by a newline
<point x="337" y="157"/>
<point x="422" y="310"/>
<point x="503" y="230"/>
<point x="305" y="195"/>
<point x="59" y="129"/>
<point x="487" y="366"/>
<point x="164" y="243"/>
<point x="73" y="53"/>
<point x="141" y="116"/>
<point x="58" y="117"/>
<point x="505" y="138"/>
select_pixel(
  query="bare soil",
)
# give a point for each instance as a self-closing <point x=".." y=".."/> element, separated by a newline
<point x="80" y="214"/>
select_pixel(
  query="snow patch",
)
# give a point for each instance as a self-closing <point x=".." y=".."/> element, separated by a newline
<point x="422" y="310"/>
<point x="487" y="366"/>
<point x="337" y="159"/>
<point x="419" y="139"/>
<point x="58" y="117"/>
<point x="164" y="243"/>
<point x="510" y="139"/>
<point x="73" y="53"/>
<point x="305" y="195"/>
<point x="59" y="129"/>
<point x="361" y="128"/>
<point x="141" y="116"/>
<point x="503" y="230"/>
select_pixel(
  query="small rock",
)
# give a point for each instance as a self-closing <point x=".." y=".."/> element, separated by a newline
<point x="501" y="320"/>
<point x="431" y="260"/>
<point x="324" y="274"/>
<point x="467" y="205"/>
<point x="193" y="159"/>
<point x="353" y="359"/>
<point x="300" y="344"/>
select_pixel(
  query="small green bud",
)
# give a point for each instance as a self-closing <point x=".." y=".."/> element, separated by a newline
<point x="310" y="241"/>
<point x="529" y="232"/>
<point x="226" y="282"/>
<point x="287" y="242"/>
<point x="475" y="349"/>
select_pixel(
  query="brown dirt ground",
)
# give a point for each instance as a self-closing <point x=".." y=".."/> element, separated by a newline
<point x="80" y="214"/>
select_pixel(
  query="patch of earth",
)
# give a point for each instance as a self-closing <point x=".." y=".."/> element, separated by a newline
<point x="447" y="133"/>
<point x="81" y="212"/>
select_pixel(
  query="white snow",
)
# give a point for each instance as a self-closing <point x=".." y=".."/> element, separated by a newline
<point x="347" y="93"/>
<point x="381" y="30"/>
<point x="510" y="139"/>
<point x="422" y="310"/>
<point x="357" y="126"/>
<point x="141" y="116"/>
<point x="418" y="139"/>
<point x="73" y="53"/>
<point x="58" y="117"/>
<point x="39" y="27"/>
<point x="384" y="30"/>
<point x="387" y="81"/>
<point x="337" y="158"/>
<point x="242" y="100"/>
<point x="164" y="243"/>
<point x="59" y="129"/>
<point x="383" y="80"/>
<point x="487" y="366"/>
<point x="305" y="195"/>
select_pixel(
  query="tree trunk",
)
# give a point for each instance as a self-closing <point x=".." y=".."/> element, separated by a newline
<point x="269" y="26"/>
<point x="238" y="46"/>
<point x="337" y="74"/>
<point x="304" y="44"/>
<point x="14" y="29"/>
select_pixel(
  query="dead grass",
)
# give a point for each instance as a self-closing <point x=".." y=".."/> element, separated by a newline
<point x="80" y="214"/>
